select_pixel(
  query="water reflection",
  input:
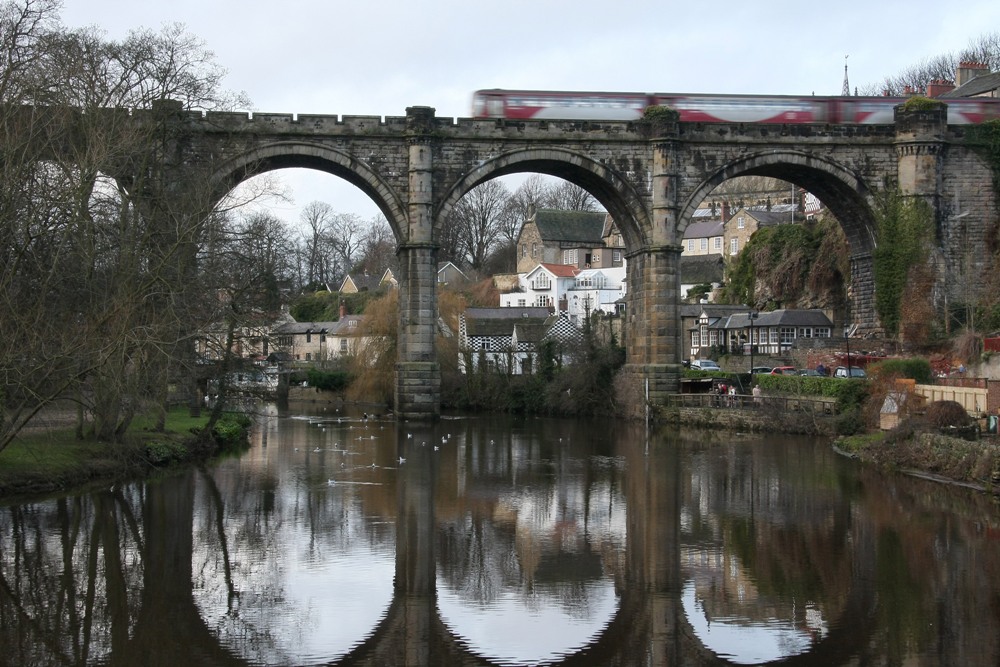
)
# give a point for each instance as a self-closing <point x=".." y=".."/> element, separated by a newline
<point x="341" y="540"/>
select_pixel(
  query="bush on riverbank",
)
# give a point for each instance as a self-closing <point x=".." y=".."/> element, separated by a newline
<point x="50" y="460"/>
<point x="915" y="446"/>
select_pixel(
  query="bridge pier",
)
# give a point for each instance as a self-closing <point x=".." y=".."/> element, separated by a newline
<point x="652" y="333"/>
<point x="418" y="373"/>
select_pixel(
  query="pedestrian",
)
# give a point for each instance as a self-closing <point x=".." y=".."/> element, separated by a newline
<point x="732" y="395"/>
<point x="756" y="394"/>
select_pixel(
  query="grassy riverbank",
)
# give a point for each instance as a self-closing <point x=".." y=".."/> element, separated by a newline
<point x="974" y="463"/>
<point x="53" y="459"/>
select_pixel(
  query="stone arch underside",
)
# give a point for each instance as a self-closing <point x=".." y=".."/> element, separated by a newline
<point x="839" y="188"/>
<point x="617" y="194"/>
<point x="846" y="194"/>
<point x="303" y="155"/>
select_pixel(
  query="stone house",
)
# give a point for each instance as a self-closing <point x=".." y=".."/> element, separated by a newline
<point x="746" y="221"/>
<point x="508" y="340"/>
<point x="352" y="284"/>
<point x="583" y="239"/>
<point x="449" y="274"/>
<point x="771" y="333"/>
<point x="703" y="237"/>
<point x="319" y="341"/>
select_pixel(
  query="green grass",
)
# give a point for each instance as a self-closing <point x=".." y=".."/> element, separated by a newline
<point x="55" y="459"/>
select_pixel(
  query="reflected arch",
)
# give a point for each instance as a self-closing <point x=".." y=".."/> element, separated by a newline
<point x="306" y="155"/>
<point x="622" y="201"/>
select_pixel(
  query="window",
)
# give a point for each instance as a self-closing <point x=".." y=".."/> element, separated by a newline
<point x="596" y="258"/>
<point x="309" y="337"/>
<point x="343" y="345"/>
<point x="805" y="332"/>
<point x="713" y="337"/>
<point x="569" y="257"/>
<point x="734" y="246"/>
<point x="322" y="338"/>
<point x="616" y="256"/>
<point x="690" y="245"/>
<point x="524" y="250"/>
<point x="541" y="301"/>
<point x="695" y="339"/>
<point x="309" y="356"/>
<point x="787" y="335"/>
<point x="822" y="332"/>
<point x="541" y="282"/>
<point x="521" y="303"/>
<point x="718" y="243"/>
<point x="704" y="244"/>
<point x="526" y="366"/>
<point x="534" y="250"/>
<point x="740" y="224"/>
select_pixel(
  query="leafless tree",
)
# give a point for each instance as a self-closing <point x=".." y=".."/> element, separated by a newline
<point x="984" y="49"/>
<point x="96" y="277"/>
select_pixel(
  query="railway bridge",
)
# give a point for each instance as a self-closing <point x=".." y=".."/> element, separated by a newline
<point x="649" y="175"/>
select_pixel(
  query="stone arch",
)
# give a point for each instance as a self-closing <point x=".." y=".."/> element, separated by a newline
<point x="839" y="188"/>
<point x="847" y="195"/>
<point x="306" y="155"/>
<point x="622" y="201"/>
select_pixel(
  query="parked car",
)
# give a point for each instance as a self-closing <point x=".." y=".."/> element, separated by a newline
<point x="856" y="372"/>
<point x="705" y="365"/>
<point x="760" y="370"/>
<point x="811" y="372"/>
<point x="783" y="370"/>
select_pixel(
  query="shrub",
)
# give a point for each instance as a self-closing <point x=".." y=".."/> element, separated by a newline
<point x="328" y="380"/>
<point x="913" y="368"/>
<point x="943" y="414"/>
<point x="232" y="429"/>
<point x="164" y="452"/>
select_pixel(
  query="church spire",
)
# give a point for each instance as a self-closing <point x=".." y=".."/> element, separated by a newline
<point x="846" y="90"/>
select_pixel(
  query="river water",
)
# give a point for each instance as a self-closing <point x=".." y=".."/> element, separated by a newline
<point x="341" y="540"/>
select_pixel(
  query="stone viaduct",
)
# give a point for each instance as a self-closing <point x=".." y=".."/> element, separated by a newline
<point x="651" y="176"/>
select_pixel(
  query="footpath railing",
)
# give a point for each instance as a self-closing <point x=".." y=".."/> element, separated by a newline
<point x="744" y="402"/>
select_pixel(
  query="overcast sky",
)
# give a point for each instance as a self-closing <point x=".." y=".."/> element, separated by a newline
<point x="377" y="57"/>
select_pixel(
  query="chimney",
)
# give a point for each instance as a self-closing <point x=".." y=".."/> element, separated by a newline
<point x="725" y="211"/>
<point x="343" y="310"/>
<point x="939" y="87"/>
<point x="969" y="70"/>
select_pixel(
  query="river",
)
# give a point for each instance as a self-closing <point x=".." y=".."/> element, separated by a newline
<point x="343" y="539"/>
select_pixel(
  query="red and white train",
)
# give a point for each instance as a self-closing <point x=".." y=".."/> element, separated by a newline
<point x="697" y="108"/>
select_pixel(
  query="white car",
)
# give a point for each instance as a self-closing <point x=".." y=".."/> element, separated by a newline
<point x="705" y="365"/>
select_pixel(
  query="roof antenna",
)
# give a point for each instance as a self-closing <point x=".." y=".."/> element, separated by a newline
<point x="846" y="90"/>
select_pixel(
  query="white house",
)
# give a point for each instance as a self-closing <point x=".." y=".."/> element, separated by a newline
<point x="595" y="290"/>
<point x="544" y="286"/>
<point x="507" y="340"/>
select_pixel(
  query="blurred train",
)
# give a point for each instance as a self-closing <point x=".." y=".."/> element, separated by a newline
<point x="697" y="108"/>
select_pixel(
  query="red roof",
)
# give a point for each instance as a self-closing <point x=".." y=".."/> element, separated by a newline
<point x="562" y="270"/>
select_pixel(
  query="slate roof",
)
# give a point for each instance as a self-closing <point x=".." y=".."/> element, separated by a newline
<point x="300" y="328"/>
<point x="704" y="229"/>
<point x="983" y="83"/>
<point x="570" y="227"/>
<point x="788" y="318"/>
<point x="501" y="321"/>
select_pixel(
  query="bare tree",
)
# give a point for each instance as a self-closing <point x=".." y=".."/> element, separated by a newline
<point x="377" y="250"/>
<point x="478" y="220"/>
<point x="316" y="220"/>
<point x="984" y="49"/>
<point x="82" y="224"/>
